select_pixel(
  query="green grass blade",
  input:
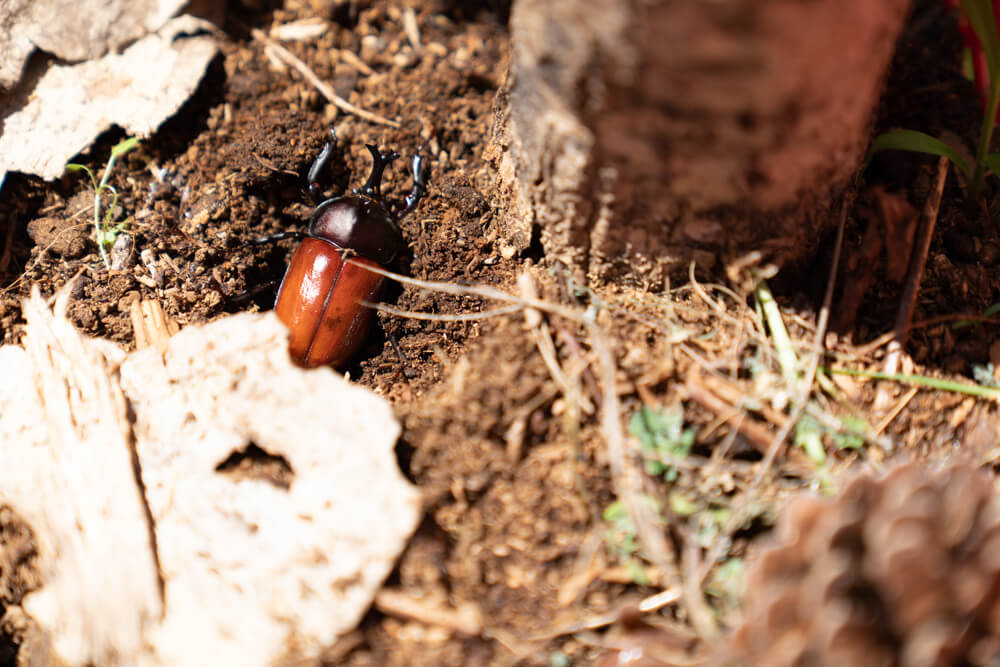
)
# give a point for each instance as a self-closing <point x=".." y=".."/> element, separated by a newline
<point x="923" y="381"/>
<point x="982" y="20"/>
<point x="993" y="163"/>
<point x="779" y="334"/>
<point x="916" y="142"/>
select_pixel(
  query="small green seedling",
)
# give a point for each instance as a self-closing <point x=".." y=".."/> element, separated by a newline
<point x="809" y="436"/>
<point x="727" y="584"/>
<point x="105" y="232"/>
<point x="621" y="538"/>
<point x="985" y="375"/>
<point x="985" y="48"/>
<point x="852" y="437"/>
<point x="663" y="437"/>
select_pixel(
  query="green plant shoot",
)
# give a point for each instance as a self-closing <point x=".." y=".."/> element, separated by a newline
<point x="663" y="438"/>
<point x="984" y="24"/>
<point x="809" y="436"/>
<point x="622" y="539"/>
<point x="105" y="233"/>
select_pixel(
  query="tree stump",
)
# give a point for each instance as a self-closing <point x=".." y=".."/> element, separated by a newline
<point x="632" y="137"/>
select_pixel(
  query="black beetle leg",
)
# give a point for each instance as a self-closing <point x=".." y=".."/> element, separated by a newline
<point x="242" y="298"/>
<point x="420" y="177"/>
<point x="404" y="363"/>
<point x="319" y="166"/>
<point x="280" y="236"/>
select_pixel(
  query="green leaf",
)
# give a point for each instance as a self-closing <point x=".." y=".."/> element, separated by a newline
<point x="73" y="166"/>
<point x="636" y="572"/>
<point x="681" y="505"/>
<point x="727" y="583"/>
<point x="662" y="438"/>
<point x="967" y="69"/>
<point x="110" y="233"/>
<point x="852" y="437"/>
<point x="124" y="146"/>
<point x="809" y="436"/>
<point x="915" y="142"/>
<point x="993" y="163"/>
<point x="615" y="511"/>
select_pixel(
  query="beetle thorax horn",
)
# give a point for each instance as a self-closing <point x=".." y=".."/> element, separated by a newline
<point x="373" y="187"/>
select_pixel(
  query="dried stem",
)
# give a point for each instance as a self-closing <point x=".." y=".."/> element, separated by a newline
<point x="289" y="58"/>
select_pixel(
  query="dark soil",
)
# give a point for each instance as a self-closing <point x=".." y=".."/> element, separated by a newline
<point x="515" y="472"/>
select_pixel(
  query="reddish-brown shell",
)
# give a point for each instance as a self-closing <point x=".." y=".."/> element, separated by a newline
<point x="319" y="301"/>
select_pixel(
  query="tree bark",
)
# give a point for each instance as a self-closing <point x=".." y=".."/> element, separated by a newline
<point x="634" y="136"/>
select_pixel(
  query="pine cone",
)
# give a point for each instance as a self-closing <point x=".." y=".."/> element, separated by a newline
<point x="902" y="572"/>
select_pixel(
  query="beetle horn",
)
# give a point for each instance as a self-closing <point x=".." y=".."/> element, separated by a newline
<point x="373" y="187"/>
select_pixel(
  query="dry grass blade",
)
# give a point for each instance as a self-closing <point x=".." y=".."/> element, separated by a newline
<point x="486" y="292"/>
<point x="289" y="58"/>
<point x="805" y="387"/>
<point x="627" y="481"/>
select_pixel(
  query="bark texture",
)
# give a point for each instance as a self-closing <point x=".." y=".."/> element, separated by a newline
<point x="632" y="137"/>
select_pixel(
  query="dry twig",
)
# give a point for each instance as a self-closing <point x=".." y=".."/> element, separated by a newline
<point x="467" y="619"/>
<point x="918" y="259"/>
<point x="325" y="89"/>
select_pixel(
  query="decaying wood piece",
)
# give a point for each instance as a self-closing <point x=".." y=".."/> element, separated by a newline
<point x="65" y="468"/>
<point x="151" y="325"/>
<point x="72" y="30"/>
<point x="628" y="133"/>
<point x="61" y="107"/>
<point x="269" y="511"/>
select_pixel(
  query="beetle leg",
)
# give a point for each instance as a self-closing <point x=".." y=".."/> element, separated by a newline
<point x="276" y="237"/>
<point x="404" y="363"/>
<point x="319" y="165"/>
<point x="421" y="173"/>
<point x="244" y="297"/>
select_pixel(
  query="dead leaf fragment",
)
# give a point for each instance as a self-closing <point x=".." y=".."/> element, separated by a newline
<point x="73" y="30"/>
<point x="70" y="105"/>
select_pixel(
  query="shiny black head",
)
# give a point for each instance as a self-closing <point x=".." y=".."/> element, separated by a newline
<point x="360" y="224"/>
